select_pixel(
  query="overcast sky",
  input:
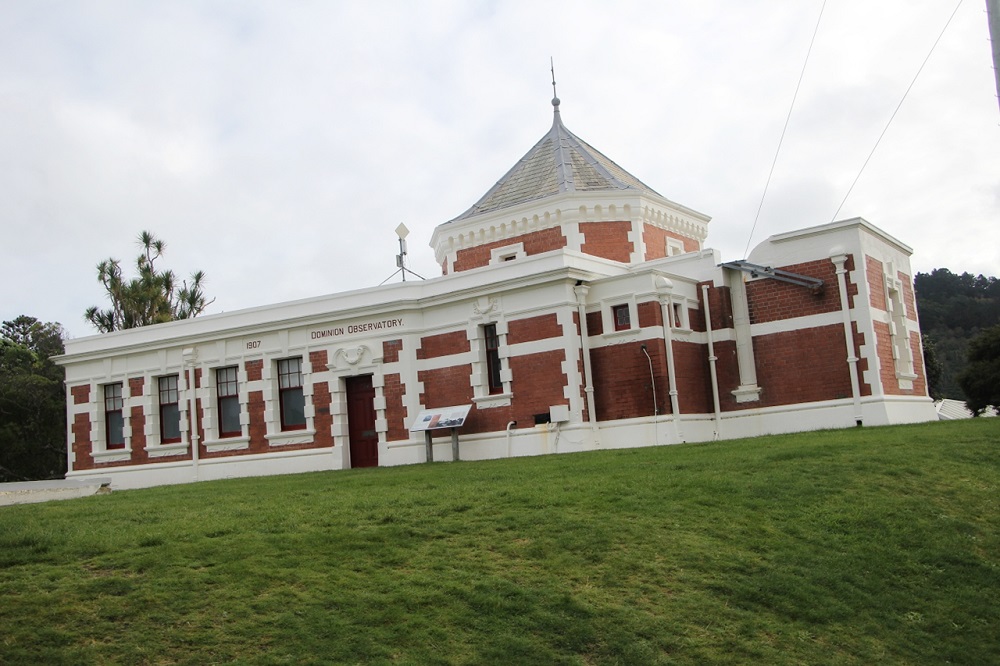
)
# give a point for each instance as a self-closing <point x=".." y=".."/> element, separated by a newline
<point x="277" y="145"/>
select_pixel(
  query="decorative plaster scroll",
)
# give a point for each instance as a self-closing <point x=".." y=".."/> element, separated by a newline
<point x="480" y="310"/>
<point x="349" y="357"/>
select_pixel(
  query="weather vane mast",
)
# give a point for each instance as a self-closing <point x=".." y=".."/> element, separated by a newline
<point x="552" y="68"/>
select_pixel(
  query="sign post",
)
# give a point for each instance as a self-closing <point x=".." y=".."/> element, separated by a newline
<point x="440" y="418"/>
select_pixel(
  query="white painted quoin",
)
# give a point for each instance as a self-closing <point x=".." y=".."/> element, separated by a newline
<point x="578" y="310"/>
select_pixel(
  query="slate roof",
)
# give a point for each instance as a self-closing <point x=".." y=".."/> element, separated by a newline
<point x="560" y="162"/>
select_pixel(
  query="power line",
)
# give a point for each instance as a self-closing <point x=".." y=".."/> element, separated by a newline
<point x="856" y="178"/>
<point x="784" y="129"/>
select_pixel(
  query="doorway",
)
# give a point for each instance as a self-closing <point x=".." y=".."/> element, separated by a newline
<point x="361" y="421"/>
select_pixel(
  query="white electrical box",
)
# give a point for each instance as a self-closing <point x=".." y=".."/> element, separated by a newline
<point x="559" y="413"/>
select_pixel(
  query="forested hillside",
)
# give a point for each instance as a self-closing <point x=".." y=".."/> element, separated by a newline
<point x="953" y="309"/>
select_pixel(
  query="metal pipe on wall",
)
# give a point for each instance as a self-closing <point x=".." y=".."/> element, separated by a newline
<point x="665" y="285"/>
<point x="840" y="261"/>
<point x="712" y="358"/>
<point x="588" y="376"/>
<point x="190" y="355"/>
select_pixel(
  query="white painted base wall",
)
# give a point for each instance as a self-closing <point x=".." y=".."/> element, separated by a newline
<point x="539" y="440"/>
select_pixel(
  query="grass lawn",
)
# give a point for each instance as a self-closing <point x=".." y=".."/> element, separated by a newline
<point x="875" y="545"/>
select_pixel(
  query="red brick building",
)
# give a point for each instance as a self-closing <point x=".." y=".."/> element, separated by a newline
<point x="578" y="309"/>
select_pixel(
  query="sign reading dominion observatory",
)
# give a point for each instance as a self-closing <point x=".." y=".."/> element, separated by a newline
<point x="352" y="329"/>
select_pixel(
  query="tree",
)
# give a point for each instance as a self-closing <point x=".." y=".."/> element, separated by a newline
<point x="932" y="367"/>
<point x="953" y="309"/>
<point x="45" y="339"/>
<point x="981" y="379"/>
<point x="32" y="401"/>
<point x="150" y="298"/>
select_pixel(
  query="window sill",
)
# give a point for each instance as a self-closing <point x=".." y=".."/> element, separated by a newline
<point x="114" y="455"/>
<point x="290" y="437"/>
<point x="747" y="393"/>
<point x="625" y="333"/>
<point x="227" y="444"/>
<point x="161" y="450"/>
<point x="492" y="400"/>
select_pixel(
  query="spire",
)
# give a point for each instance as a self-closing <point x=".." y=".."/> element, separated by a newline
<point x="560" y="162"/>
<point x="555" y="97"/>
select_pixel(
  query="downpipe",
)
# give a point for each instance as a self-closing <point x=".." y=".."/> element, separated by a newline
<point x="712" y="358"/>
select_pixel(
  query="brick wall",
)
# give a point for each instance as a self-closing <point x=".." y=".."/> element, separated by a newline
<point x="535" y="242"/>
<point x="538" y="382"/>
<point x="655" y="240"/>
<point x="390" y="350"/>
<point x="650" y="314"/>
<point x="694" y="384"/>
<point x="774" y="300"/>
<point x="81" y="394"/>
<point x="254" y="370"/>
<point x="876" y="282"/>
<point x="138" y="441"/>
<point x="622" y="386"/>
<point x="595" y="324"/>
<point x="443" y="344"/>
<point x="887" y="365"/>
<point x="908" y="300"/>
<point x="804" y="365"/>
<point x="257" y="428"/>
<point x="395" y="411"/>
<point x="137" y="421"/>
<point x="444" y="387"/>
<point x="719" y="302"/>
<point x="81" y="440"/>
<point x="920" y="383"/>
<point x="859" y="342"/>
<point x="533" y="328"/>
<point x="607" y="239"/>
<point x="321" y="399"/>
<point x="727" y="370"/>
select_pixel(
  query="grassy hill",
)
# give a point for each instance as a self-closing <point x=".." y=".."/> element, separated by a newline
<point x="862" y="546"/>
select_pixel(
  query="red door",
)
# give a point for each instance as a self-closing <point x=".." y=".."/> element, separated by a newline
<point x="361" y="421"/>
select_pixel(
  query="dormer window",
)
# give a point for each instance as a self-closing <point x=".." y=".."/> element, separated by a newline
<point x="499" y="255"/>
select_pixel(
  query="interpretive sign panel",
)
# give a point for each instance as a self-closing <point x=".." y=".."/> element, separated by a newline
<point x="441" y="417"/>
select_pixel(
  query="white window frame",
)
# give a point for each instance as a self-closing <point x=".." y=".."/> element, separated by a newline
<point x="214" y="441"/>
<point x="608" y="306"/>
<point x="480" y="369"/>
<point x="272" y="402"/>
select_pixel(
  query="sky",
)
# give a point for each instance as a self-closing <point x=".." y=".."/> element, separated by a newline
<point x="277" y="145"/>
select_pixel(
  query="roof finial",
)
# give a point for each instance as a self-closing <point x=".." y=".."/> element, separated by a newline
<point x="555" y="97"/>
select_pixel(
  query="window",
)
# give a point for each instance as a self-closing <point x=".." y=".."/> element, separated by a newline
<point x="674" y="247"/>
<point x="170" y="413"/>
<point x="493" y="358"/>
<point x="679" y="315"/>
<point x="290" y="396"/>
<point x="621" y="317"/>
<point x="227" y="393"/>
<point x="114" y="421"/>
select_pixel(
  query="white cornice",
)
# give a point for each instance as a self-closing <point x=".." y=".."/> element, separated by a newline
<point x="398" y="298"/>
<point x="568" y="208"/>
<point x="854" y="222"/>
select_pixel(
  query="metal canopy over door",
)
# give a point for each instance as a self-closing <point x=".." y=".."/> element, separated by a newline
<point x="361" y="421"/>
